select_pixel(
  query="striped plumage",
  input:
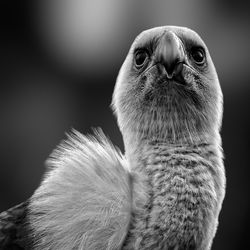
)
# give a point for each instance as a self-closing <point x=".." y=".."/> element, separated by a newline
<point x="184" y="183"/>
<point x="14" y="228"/>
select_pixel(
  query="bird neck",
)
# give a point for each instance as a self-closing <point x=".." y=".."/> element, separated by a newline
<point x="144" y="151"/>
<point x="172" y="177"/>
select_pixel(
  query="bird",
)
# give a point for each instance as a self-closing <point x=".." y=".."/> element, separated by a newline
<point x="166" y="190"/>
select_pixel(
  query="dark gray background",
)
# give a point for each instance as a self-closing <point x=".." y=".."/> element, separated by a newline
<point x="59" y="62"/>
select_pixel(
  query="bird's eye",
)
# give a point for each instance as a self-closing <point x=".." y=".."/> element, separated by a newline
<point x="198" y="55"/>
<point x="140" y="57"/>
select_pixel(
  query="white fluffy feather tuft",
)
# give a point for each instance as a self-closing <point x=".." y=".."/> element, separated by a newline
<point x="84" y="201"/>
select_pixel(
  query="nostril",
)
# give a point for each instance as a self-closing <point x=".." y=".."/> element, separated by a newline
<point x="178" y="76"/>
<point x="178" y="68"/>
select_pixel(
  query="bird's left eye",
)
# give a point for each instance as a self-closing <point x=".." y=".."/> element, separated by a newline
<point x="198" y="55"/>
<point x="140" y="57"/>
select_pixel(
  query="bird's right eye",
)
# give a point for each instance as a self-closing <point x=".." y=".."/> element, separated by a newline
<point x="140" y="58"/>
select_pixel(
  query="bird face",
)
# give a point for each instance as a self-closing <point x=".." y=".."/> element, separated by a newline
<point x="168" y="86"/>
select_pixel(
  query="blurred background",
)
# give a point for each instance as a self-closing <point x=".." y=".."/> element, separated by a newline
<point x="59" y="62"/>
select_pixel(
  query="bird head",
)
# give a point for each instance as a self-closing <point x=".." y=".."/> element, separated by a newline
<point x="168" y="89"/>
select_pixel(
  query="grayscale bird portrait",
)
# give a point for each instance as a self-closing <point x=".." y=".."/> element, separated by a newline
<point x="124" y="125"/>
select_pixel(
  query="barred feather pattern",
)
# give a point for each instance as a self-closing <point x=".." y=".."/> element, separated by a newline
<point x="84" y="201"/>
<point x="186" y="187"/>
<point x="14" y="233"/>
